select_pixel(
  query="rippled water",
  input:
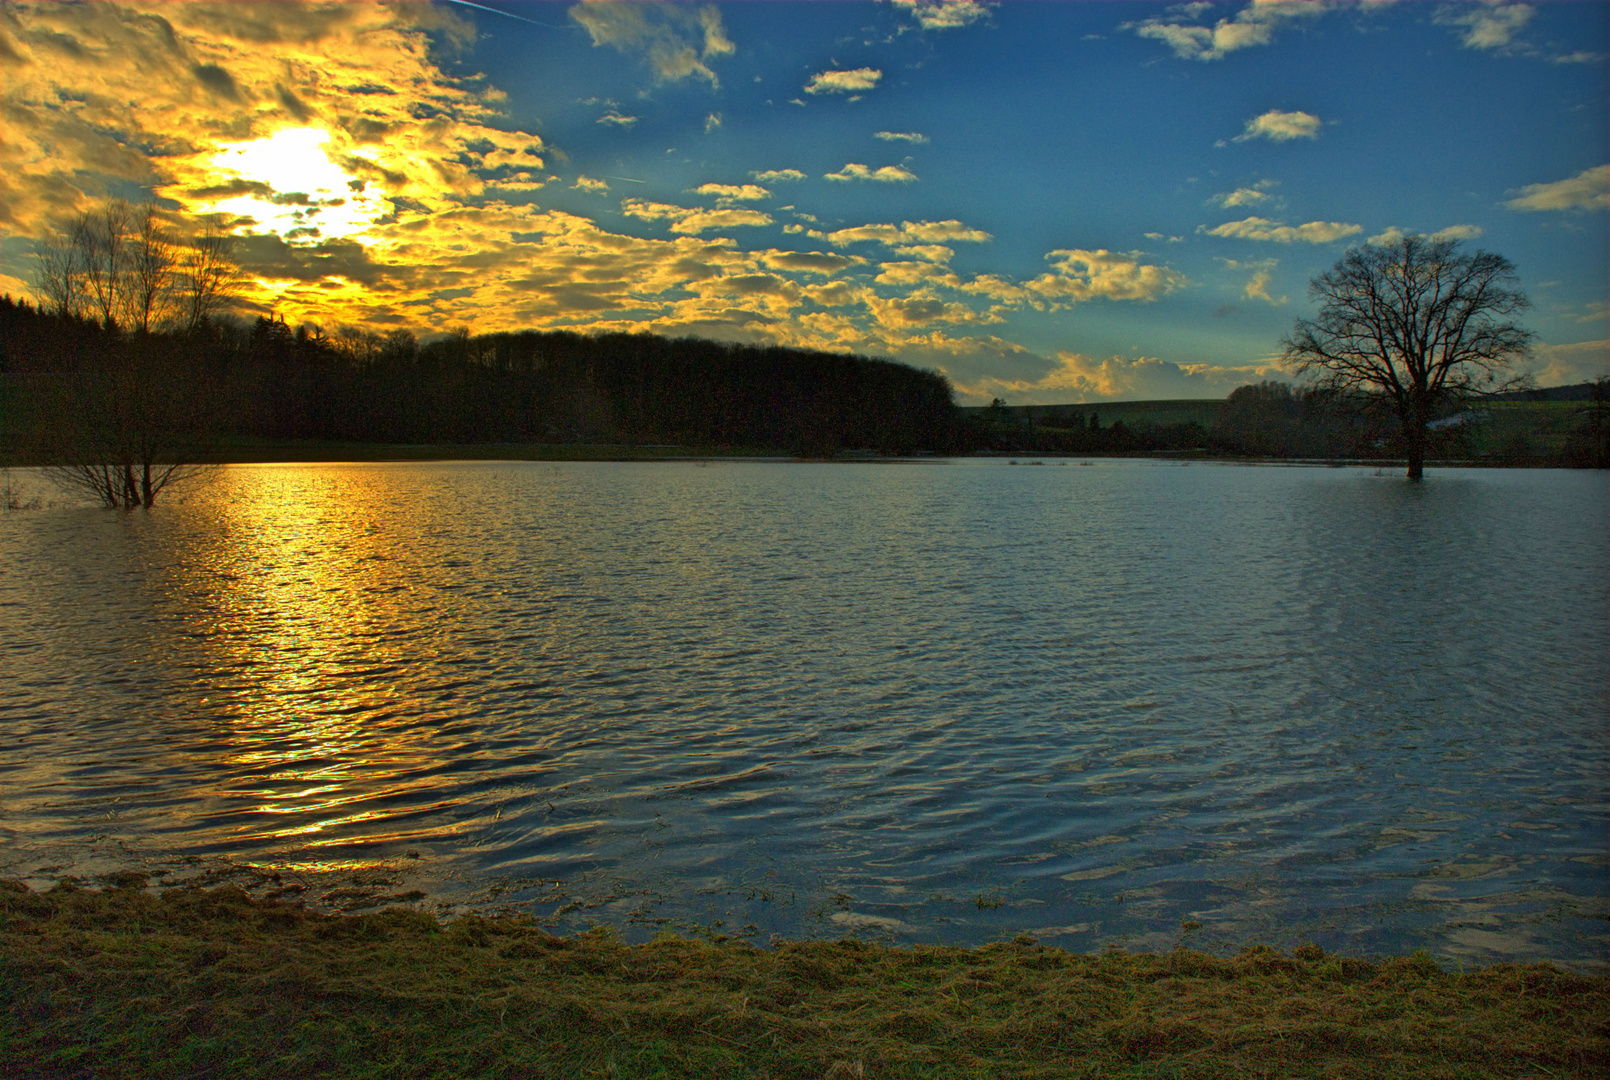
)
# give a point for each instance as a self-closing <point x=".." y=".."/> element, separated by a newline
<point x="935" y="701"/>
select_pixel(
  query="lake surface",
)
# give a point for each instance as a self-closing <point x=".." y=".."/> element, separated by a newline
<point x="939" y="701"/>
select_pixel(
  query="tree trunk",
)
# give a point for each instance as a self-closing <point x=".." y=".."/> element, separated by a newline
<point x="1415" y="434"/>
<point x="1414" y="444"/>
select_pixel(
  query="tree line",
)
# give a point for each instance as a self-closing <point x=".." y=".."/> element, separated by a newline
<point x="169" y="390"/>
<point x="1284" y="421"/>
<point x="127" y="372"/>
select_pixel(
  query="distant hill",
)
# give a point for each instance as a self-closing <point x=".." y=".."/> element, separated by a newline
<point x="1574" y="392"/>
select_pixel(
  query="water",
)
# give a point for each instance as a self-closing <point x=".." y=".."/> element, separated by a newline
<point x="942" y="701"/>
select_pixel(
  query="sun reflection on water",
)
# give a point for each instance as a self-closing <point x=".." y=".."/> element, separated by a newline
<point x="311" y="617"/>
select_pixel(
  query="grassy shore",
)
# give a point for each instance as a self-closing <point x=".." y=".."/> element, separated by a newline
<point x="212" y="983"/>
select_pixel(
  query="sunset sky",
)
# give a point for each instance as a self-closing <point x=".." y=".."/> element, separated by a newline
<point x="1050" y="202"/>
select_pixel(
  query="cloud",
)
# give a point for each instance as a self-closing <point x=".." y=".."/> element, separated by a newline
<point x="587" y="183"/>
<point x="139" y="116"/>
<point x="1592" y="311"/>
<point x="1281" y="126"/>
<point x="1087" y="275"/>
<point x="974" y="362"/>
<point x="810" y="262"/>
<point x="676" y="40"/>
<point x="730" y="193"/>
<point x="1564" y="365"/>
<point x="909" y="232"/>
<point x="1392" y="234"/>
<point x="1587" y="190"/>
<point x="217" y="80"/>
<point x="692" y="221"/>
<point x="944" y="14"/>
<point x="778" y="176"/>
<point x="1257" y="288"/>
<point x="888" y="174"/>
<point x="1257" y="228"/>
<point x="900" y="136"/>
<point x="1247" y="196"/>
<point x="935" y="253"/>
<point x="1074" y="378"/>
<point x="1486" y="26"/>
<point x="1255" y="24"/>
<point x="920" y="309"/>
<point x="843" y="82"/>
<point x="615" y="118"/>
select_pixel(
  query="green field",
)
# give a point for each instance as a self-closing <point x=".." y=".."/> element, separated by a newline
<point x="1520" y="428"/>
<point x="212" y="983"/>
<point x="1518" y="431"/>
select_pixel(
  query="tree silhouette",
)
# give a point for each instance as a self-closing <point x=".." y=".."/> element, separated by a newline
<point x="123" y="401"/>
<point x="1418" y="324"/>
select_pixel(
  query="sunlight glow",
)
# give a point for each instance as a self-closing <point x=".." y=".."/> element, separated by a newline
<point x="289" y="185"/>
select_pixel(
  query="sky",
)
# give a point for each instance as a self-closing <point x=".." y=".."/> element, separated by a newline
<point x="1048" y="202"/>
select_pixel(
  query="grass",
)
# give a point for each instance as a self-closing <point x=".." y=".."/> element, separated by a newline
<point x="212" y="983"/>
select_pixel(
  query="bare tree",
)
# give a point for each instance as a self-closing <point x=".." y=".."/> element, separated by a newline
<point x="1418" y="324"/>
<point x="102" y="242"/>
<point x="130" y="417"/>
<point x="58" y="276"/>
<point x="129" y="424"/>
<point x="151" y="265"/>
<point x="208" y="276"/>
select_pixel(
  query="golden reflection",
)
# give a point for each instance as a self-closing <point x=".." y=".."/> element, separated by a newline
<point x="313" y="651"/>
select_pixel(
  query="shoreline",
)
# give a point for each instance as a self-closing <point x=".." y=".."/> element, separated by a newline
<point x="343" y="453"/>
<point x="214" y="982"/>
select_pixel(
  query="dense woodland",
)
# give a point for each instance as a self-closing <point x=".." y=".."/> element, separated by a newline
<point x="268" y="381"/>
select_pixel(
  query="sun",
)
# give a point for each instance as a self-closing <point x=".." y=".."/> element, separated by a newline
<point x="288" y="184"/>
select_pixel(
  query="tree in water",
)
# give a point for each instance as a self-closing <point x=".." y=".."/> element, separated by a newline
<point x="129" y="416"/>
<point x="1417" y="324"/>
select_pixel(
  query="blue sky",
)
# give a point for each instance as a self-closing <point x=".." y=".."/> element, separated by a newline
<point x="1047" y="201"/>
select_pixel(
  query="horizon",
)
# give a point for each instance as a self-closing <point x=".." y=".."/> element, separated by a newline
<point x="1048" y="203"/>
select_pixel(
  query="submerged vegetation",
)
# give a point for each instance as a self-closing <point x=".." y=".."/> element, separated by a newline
<point x="127" y="983"/>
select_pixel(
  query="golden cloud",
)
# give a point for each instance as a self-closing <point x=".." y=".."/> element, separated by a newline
<point x="888" y="174"/>
<point x="1077" y="378"/>
<point x="1281" y="126"/>
<point x="1257" y="228"/>
<point x="1587" y="190"/>
<point x="909" y="232"/>
<point x="944" y="14"/>
<point x="730" y="193"/>
<point x="843" y="82"/>
<point x="675" y="39"/>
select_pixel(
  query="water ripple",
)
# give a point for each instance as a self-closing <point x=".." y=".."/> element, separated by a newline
<point x="936" y="702"/>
